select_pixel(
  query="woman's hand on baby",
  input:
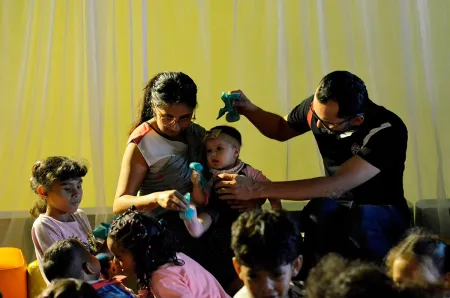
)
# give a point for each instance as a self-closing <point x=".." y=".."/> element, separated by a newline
<point x="243" y="105"/>
<point x="195" y="177"/>
<point x="172" y="200"/>
<point x="237" y="187"/>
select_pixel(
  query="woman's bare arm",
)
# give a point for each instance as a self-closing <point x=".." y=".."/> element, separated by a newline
<point x="132" y="173"/>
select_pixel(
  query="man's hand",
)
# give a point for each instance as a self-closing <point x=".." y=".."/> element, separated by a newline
<point x="237" y="187"/>
<point x="243" y="105"/>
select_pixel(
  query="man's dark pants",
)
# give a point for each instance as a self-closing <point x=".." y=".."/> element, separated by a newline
<point x="355" y="231"/>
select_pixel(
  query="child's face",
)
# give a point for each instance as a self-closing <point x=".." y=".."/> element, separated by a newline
<point x="409" y="271"/>
<point x="122" y="257"/>
<point x="263" y="284"/>
<point x="64" y="196"/>
<point x="221" y="154"/>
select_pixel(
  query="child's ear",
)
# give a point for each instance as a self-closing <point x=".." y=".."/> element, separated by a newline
<point x="236" y="151"/>
<point x="88" y="268"/>
<point x="42" y="192"/>
<point x="297" y="265"/>
<point x="237" y="266"/>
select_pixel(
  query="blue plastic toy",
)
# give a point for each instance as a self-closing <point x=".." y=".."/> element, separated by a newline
<point x="232" y="113"/>
<point x="188" y="214"/>
<point x="196" y="166"/>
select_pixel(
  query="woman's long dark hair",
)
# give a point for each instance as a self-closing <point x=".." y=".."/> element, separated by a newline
<point x="166" y="89"/>
<point x="150" y="243"/>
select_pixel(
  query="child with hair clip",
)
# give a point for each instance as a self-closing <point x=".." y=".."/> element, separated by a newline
<point x="420" y="259"/>
<point x="223" y="145"/>
<point x="142" y="246"/>
<point x="69" y="288"/>
<point x="58" y="183"/>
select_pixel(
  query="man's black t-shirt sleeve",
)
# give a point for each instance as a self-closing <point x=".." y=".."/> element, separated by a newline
<point x="298" y="117"/>
<point x="384" y="146"/>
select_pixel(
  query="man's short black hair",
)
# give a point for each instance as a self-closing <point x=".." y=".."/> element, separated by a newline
<point x="62" y="259"/>
<point x="348" y="90"/>
<point x="266" y="239"/>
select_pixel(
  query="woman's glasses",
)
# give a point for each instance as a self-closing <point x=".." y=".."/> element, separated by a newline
<point x="170" y="121"/>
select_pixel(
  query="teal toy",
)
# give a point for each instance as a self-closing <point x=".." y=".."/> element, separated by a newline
<point x="232" y="112"/>
<point x="188" y="214"/>
<point x="101" y="231"/>
<point x="196" y="166"/>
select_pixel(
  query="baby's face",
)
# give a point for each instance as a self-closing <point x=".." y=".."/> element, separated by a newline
<point x="221" y="155"/>
<point x="409" y="271"/>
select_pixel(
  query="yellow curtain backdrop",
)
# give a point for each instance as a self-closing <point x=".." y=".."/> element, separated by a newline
<point x="73" y="71"/>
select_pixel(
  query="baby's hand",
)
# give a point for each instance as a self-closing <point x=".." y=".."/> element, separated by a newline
<point x="195" y="177"/>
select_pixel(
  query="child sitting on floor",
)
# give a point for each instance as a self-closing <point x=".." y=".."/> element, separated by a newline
<point x="143" y="246"/>
<point x="223" y="145"/>
<point x="70" y="259"/>
<point x="268" y="253"/>
<point x="58" y="183"/>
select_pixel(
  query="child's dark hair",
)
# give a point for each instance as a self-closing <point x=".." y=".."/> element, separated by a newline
<point x="48" y="171"/>
<point x="266" y="239"/>
<point x="362" y="280"/>
<point x="326" y="270"/>
<point x="165" y="89"/>
<point x="62" y="259"/>
<point x="424" y="247"/>
<point x="147" y="240"/>
<point x="69" y="288"/>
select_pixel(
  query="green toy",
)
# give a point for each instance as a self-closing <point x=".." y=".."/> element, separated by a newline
<point x="195" y="166"/>
<point x="232" y="112"/>
<point x="188" y="214"/>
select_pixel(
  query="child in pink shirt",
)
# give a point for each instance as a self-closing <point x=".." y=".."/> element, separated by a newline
<point x="142" y="246"/>
<point x="58" y="183"/>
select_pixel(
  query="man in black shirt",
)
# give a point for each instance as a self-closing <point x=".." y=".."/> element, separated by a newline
<point x="358" y="209"/>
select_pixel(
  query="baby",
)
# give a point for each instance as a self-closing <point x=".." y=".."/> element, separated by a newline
<point x="223" y="145"/>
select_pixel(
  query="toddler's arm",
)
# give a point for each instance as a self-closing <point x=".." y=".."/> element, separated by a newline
<point x="199" y="195"/>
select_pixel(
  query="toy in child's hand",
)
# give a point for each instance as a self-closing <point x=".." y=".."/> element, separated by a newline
<point x="229" y="99"/>
<point x="195" y="166"/>
<point x="188" y="214"/>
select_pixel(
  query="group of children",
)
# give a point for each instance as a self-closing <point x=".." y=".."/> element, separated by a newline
<point x="267" y="245"/>
<point x="61" y="229"/>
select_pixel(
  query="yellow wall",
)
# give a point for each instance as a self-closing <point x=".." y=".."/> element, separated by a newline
<point x="48" y="108"/>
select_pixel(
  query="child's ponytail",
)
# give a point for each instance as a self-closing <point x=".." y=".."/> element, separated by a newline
<point x="40" y="205"/>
